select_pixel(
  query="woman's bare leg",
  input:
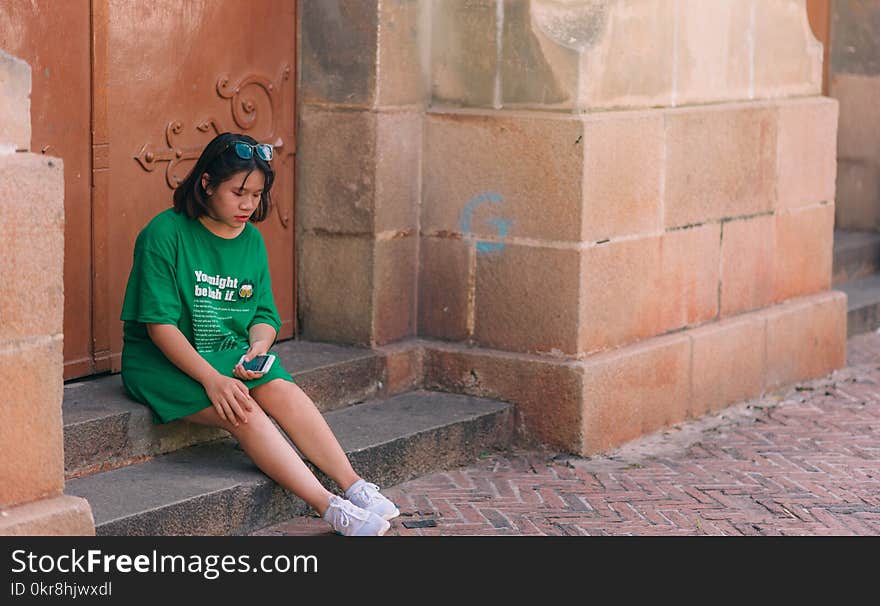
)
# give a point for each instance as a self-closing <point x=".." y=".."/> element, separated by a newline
<point x="296" y="413"/>
<point x="268" y="449"/>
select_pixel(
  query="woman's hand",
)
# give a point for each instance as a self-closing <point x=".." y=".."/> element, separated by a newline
<point x="230" y="397"/>
<point x="258" y="348"/>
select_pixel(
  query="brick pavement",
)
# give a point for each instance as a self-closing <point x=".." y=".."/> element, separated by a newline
<point x="802" y="461"/>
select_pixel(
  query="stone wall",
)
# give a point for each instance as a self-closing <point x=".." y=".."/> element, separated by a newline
<point x="855" y="81"/>
<point x="634" y="201"/>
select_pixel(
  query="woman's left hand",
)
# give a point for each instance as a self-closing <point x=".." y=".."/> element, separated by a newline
<point x="258" y="348"/>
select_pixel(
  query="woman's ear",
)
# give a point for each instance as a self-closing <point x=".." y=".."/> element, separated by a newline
<point x="205" y="179"/>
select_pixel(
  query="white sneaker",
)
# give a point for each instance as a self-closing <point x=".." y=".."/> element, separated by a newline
<point x="350" y="520"/>
<point x="367" y="496"/>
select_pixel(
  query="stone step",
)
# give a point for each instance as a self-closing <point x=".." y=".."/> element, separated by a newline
<point x="214" y="489"/>
<point x="104" y="428"/>
<point x="862" y="305"/>
<point x="856" y="255"/>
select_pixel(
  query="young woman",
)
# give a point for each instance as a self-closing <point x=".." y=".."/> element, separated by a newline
<point x="198" y="297"/>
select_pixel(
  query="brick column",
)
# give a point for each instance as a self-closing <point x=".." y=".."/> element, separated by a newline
<point x="31" y="320"/>
<point x="362" y="107"/>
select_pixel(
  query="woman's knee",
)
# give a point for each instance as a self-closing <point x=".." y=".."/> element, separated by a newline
<point x="256" y="417"/>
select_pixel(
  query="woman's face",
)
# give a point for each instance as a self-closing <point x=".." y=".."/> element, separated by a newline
<point x="235" y="199"/>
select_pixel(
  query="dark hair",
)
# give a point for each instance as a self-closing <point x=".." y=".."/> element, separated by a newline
<point x="220" y="161"/>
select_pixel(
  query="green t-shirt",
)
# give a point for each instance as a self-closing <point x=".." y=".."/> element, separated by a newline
<point x="212" y="288"/>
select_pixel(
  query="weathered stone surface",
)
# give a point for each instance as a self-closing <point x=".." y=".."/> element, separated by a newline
<point x="491" y="174"/>
<point x="807" y="152"/>
<point x="642" y="287"/>
<point x="858" y="193"/>
<point x="444" y="284"/>
<point x="338" y="51"/>
<point x="619" y="73"/>
<point x="398" y="150"/>
<point x="336" y="287"/>
<point x="806" y="338"/>
<point x="803" y="255"/>
<point x="526" y="299"/>
<point x="548" y="393"/>
<point x="729" y="362"/>
<point x="634" y="390"/>
<point x="788" y="58"/>
<point x="396" y="270"/>
<point x="463" y="52"/>
<point x="402" y="78"/>
<point x="15" y="102"/>
<point x="748" y="249"/>
<point x="337" y="170"/>
<point x="31" y="245"/>
<point x="859" y="127"/>
<point x="855" y="48"/>
<point x="623" y="174"/>
<point x="31" y="441"/>
<point x="534" y="71"/>
<point x="712" y="51"/>
<point x="59" y="516"/>
<point x="721" y="162"/>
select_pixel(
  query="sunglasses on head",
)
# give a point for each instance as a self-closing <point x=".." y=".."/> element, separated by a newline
<point x="245" y="151"/>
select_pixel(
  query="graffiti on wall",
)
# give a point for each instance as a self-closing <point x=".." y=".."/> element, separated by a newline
<point x="502" y="225"/>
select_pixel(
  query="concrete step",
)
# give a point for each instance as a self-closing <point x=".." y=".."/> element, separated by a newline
<point x="104" y="428"/>
<point x="862" y="305"/>
<point x="856" y="255"/>
<point x="214" y="489"/>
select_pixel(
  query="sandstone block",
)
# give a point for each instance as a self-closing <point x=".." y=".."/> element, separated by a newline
<point x="803" y="257"/>
<point x="806" y="338"/>
<point x="729" y="364"/>
<point x="807" y="152"/>
<point x="336" y="287"/>
<point x="642" y="287"/>
<point x="31" y="442"/>
<point x="394" y="282"/>
<point x="338" y="52"/>
<point x="721" y="162"/>
<point x="463" y="52"/>
<point x="444" y="278"/>
<point x="490" y="174"/>
<point x="748" y="249"/>
<point x="634" y="390"/>
<point x="398" y="161"/>
<point x="548" y="393"/>
<point x="624" y="161"/>
<point x="31" y="245"/>
<point x="788" y="58"/>
<point x="15" y="102"/>
<point x="523" y="305"/>
<point x="337" y="170"/>
<point x="63" y="515"/>
<point x="712" y="51"/>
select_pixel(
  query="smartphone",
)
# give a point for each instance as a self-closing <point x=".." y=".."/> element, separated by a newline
<point x="259" y="363"/>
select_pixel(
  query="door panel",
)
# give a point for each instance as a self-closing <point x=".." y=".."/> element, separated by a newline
<point x="127" y="97"/>
<point x="60" y="126"/>
<point x="176" y="75"/>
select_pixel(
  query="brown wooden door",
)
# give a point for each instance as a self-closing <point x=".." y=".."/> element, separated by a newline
<point x="153" y="81"/>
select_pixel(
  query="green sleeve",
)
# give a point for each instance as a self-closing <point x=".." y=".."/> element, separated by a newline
<point x="151" y="295"/>
<point x="266" y="312"/>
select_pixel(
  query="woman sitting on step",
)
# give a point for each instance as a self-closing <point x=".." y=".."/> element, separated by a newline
<point x="199" y="296"/>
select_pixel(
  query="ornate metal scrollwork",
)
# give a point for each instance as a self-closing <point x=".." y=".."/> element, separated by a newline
<point x="244" y="115"/>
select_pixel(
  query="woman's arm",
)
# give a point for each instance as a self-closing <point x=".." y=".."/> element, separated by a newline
<point x="229" y="396"/>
